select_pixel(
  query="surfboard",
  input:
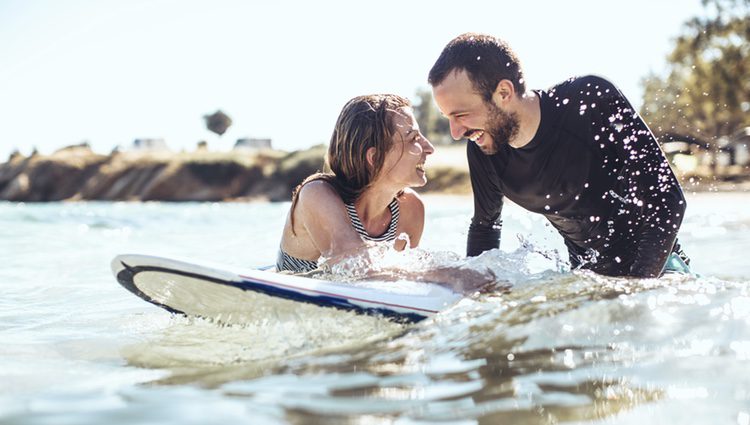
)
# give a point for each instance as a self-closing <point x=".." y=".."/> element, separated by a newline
<point x="241" y="295"/>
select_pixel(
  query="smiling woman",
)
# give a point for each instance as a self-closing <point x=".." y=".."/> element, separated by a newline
<point x="376" y="154"/>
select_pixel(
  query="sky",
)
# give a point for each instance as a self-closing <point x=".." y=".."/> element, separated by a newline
<point x="107" y="72"/>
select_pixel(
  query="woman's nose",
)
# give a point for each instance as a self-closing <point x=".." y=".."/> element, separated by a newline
<point x="428" y="147"/>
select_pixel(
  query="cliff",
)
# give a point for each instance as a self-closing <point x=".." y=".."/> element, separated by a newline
<point x="77" y="173"/>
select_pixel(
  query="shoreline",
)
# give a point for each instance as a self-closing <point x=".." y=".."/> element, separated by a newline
<point x="78" y="174"/>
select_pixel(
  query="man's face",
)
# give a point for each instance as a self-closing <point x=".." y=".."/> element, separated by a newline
<point x="502" y="126"/>
<point x="471" y="117"/>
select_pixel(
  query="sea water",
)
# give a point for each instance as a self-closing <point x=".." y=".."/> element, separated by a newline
<point x="558" y="347"/>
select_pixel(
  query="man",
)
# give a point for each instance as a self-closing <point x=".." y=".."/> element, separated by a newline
<point x="577" y="153"/>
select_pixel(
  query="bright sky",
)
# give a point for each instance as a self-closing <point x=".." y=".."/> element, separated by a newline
<point x="108" y="71"/>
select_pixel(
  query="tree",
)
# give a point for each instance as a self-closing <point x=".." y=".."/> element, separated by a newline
<point x="706" y="92"/>
<point x="433" y="125"/>
<point x="218" y="122"/>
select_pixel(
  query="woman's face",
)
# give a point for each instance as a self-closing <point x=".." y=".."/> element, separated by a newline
<point x="405" y="160"/>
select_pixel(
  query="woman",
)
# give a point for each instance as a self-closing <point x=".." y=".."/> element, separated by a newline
<point x="376" y="154"/>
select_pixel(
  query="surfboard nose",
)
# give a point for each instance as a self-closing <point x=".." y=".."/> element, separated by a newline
<point x="116" y="264"/>
<point x="125" y="261"/>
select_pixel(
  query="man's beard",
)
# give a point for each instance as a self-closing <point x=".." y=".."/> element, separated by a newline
<point x="501" y="126"/>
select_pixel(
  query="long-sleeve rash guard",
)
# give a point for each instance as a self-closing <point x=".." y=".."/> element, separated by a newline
<point x="595" y="170"/>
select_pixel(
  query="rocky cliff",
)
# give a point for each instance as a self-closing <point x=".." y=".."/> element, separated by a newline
<point x="77" y="173"/>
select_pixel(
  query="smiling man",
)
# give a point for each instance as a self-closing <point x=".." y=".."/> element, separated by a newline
<point x="577" y="153"/>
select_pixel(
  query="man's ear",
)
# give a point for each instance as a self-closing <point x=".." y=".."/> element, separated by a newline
<point x="504" y="92"/>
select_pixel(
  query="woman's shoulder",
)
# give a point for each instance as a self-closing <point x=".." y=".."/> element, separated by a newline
<point x="317" y="200"/>
<point x="410" y="200"/>
<point x="315" y="189"/>
<point x="318" y="197"/>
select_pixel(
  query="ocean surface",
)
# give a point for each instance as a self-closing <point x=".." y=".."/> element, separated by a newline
<point x="558" y="347"/>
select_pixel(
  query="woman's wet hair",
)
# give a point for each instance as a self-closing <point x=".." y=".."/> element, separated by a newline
<point x="365" y="122"/>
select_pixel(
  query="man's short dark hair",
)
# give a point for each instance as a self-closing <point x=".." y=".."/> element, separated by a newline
<point x="486" y="59"/>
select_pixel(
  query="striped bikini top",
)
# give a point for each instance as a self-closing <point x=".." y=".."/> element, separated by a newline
<point x="390" y="232"/>
<point x="298" y="265"/>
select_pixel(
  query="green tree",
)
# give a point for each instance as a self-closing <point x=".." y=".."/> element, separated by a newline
<point x="706" y="92"/>
<point x="218" y="122"/>
<point x="432" y="123"/>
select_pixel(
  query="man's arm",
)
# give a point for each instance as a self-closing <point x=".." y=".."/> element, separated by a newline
<point x="485" y="227"/>
<point x="653" y="188"/>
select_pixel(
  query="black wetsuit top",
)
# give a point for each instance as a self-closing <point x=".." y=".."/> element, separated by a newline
<point x="595" y="170"/>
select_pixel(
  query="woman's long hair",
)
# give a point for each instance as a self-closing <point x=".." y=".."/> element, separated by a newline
<point x="364" y="122"/>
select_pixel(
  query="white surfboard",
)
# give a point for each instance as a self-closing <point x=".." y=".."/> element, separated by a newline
<point x="236" y="295"/>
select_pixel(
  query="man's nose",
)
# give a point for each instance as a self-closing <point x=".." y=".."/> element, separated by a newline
<point x="457" y="130"/>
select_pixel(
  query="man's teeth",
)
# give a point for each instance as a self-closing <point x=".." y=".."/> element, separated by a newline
<point x="476" y="135"/>
<point x="420" y="167"/>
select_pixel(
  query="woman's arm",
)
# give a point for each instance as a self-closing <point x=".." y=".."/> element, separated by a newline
<point x="411" y="218"/>
<point x="322" y="214"/>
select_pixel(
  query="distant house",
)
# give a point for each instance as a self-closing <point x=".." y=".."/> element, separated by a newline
<point x="147" y="144"/>
<point x="686" y="154"/>
<point x="736" y="148"/>
<point x="252" y="143"/>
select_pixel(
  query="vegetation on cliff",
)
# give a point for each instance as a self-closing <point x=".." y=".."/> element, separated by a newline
<point x="77" y="173"/>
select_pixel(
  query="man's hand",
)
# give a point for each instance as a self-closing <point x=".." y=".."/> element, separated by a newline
<point x="463" y="280"/>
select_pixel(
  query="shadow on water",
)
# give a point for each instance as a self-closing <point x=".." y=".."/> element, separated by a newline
<point x="207" y="353"/>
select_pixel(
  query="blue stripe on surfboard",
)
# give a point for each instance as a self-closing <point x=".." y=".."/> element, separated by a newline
<point x="126" y="278"/>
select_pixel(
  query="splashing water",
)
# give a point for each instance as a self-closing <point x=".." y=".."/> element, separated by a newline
<point x="560" y="346"/>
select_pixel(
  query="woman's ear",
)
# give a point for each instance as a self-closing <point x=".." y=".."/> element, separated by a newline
<point x="370" y="155"/>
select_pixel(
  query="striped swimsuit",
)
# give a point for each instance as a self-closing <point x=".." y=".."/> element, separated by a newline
<point x="298" y="265"/>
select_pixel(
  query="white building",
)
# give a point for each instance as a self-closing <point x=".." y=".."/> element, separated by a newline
<point x="252" y="143"/>
<point x="149" y="144"/>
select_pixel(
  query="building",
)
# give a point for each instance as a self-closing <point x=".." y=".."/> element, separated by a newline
<point x="148" y="144"/>
<point x="737" y="146"/>
<point x="252" y="143"/>
<point x="686" y="154"/>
